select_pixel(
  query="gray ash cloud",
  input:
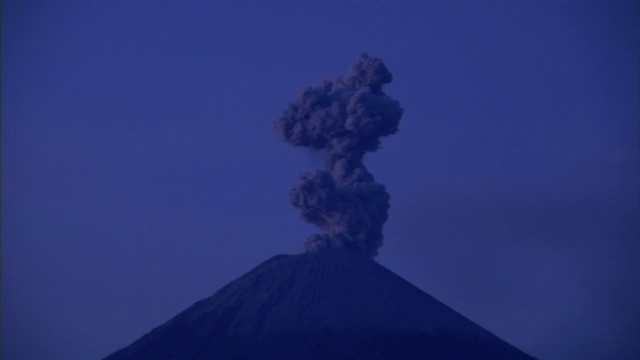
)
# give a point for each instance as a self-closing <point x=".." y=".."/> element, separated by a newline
<point x="344" y="117"/>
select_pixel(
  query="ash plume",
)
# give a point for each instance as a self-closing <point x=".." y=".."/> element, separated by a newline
<point x="344" y="117"/>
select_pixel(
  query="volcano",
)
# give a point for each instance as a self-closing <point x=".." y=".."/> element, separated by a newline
<point x="331" y="304"/>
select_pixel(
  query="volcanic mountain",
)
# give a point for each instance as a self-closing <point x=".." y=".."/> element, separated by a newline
<point x="330" y="304"/>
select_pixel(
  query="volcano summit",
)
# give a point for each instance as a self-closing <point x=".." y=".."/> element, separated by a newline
<point x="329" y="304"/>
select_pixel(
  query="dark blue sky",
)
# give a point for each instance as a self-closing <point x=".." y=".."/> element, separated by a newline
<point x="140" y="172"/>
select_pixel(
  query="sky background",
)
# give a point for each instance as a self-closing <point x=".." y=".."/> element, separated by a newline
<point x="140" y="172"/>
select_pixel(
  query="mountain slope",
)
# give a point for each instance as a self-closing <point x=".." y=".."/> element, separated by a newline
<point x="325" y="305"/>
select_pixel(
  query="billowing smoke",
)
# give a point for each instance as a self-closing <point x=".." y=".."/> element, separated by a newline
<point x="345" y="117"/>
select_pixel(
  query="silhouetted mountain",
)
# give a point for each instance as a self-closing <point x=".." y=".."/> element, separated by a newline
<point x="325" y="305"/>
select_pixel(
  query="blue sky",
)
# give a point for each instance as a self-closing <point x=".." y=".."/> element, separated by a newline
<point x="140" y="172"/>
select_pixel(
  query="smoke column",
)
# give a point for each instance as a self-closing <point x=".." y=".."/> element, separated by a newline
<point x="345" y="117"/>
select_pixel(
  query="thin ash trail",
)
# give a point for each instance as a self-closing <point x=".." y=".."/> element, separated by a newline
<point x="345" y="117"/>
